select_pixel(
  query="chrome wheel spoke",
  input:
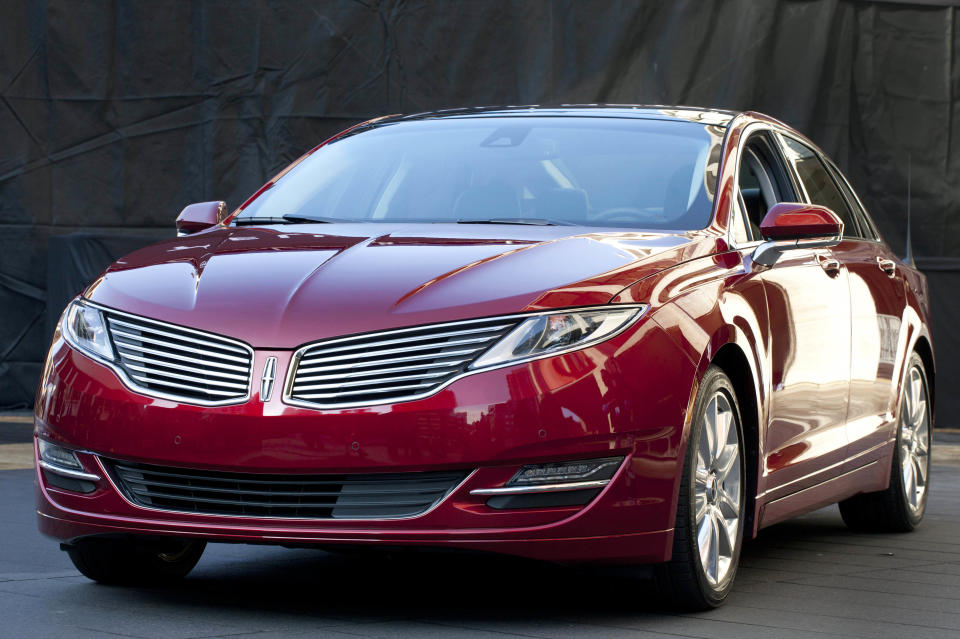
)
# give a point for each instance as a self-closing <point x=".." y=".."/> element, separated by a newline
<point x="729" y="503"/>
<point x="914" y="447"/>
<point x="701" y="506"/>
<point x="701" y="476"/>
<point x="916" y="395"/>
<point x="705" y="540"/>
<point x="728" y="460"/>
<point x="920" y="470"/>
<point x="724" y="419"/>
<point x="710" y="430"/>
<point x="724" y="537"/>
<point x="717" y="488"/>
<point x="714" y="571"/>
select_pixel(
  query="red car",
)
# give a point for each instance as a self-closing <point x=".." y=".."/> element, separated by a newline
<point x="626" y="335"/>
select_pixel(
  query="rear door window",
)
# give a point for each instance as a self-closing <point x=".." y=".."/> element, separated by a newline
<point x="819" y="184"/>
<point x="868" y="229"/>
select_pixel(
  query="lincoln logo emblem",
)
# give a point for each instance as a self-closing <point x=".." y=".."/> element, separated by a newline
<point x="266" y="382"/>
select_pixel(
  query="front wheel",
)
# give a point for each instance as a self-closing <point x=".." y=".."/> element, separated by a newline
<point x="135" y="561"/>
<point x="710" y="510"/>
<point x="900" y="507"/>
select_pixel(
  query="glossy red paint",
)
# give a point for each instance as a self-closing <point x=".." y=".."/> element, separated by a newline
<point x="817" y="405"/>
<point x="201" y="216"/>
<point x="791" y="220"/>
<point x="450" y="272"/>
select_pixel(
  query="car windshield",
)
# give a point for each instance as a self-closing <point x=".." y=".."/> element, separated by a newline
<point x="615" y="172"/>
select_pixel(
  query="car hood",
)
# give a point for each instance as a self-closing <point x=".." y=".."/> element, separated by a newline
<point x="283" y="286"/>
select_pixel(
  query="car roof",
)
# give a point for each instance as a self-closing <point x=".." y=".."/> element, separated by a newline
<point x="701" y="115"/>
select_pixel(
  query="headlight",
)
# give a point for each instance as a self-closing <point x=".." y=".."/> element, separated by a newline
<point x="84" y="329"/>
<point x="551" y="334"/>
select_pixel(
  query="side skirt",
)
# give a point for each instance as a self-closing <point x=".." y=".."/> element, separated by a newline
<point x="867" y="478"/>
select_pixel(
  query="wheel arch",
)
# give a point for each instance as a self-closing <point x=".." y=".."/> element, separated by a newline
<point x="924" y="349"/>
<point x="732" y="360"/>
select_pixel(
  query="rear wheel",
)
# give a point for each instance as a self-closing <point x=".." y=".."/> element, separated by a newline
<point x="710" y="510"/>
<point x="900" y="507"/>
<point x="135" y="561"/>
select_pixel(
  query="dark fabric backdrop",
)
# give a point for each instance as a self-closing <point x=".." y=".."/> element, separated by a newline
<point x="114" y="115"/>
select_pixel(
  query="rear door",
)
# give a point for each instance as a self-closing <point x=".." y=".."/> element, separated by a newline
<point x="878" y="299"/>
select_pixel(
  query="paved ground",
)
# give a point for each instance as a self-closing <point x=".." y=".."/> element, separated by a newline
<point x="805" y="578"/>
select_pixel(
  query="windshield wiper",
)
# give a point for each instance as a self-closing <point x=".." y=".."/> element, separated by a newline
<point x="527" y="221"/>
<point x="289" y="218"/>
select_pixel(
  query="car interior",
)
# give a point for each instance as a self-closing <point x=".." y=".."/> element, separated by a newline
<point x="762" y="183"/>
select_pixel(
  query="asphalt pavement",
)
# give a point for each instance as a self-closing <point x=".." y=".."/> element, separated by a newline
<point x="809" y="577"/>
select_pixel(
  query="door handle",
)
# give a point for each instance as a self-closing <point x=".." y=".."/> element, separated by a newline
<point x="829" y="264"/>
<point x="887" y="266"/>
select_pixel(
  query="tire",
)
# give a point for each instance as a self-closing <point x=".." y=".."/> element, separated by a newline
<point x="696" y="578"/>
<point x="126" y="561"/>
<point x="900" y="507"/>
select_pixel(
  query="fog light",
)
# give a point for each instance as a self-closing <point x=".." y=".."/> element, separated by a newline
<point x="62" y="469"/>
<point x="58" y="456"/>
<point x="562" y="472"/>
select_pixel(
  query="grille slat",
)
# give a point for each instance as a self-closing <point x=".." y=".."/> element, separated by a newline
<point x="418" y="338"/>
<point x="152" y="382"/>
<point x="368" y="382"/>
<point x="385" y="371"/>
<point x="370" y="391"/>
<point x="187" y="378"/>
<point x="394" y="360"/>
<point x="131" y="353"/>
<point x="136" y="340"/>
<point x="184" y="338"/>
<point x="157" y="363"/>
<point x="371" y="352"/>
<point x="168" y="360"/>
<point x="362" y="369"/>
<point x="376" y="496"/>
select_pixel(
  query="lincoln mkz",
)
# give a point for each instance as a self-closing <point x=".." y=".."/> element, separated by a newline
<point x="625" y="335"/>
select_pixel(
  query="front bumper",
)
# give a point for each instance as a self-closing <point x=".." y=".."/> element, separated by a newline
<point x="626" y="397"/>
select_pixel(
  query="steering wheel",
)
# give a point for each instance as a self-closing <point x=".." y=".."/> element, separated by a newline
<point x="622" y="212"/>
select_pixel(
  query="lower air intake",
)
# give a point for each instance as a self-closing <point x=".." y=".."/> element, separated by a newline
<point x="370" y="496"/>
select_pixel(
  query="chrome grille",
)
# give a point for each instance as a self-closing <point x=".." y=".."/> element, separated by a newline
<point x="367" y="496"/>
<point x="389" y="366"/>
<point x="168" y="360"/>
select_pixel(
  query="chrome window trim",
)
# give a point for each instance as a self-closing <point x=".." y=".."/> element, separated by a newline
<point x="298" y="354"/>
<point x="748" y="131"/>
<point x="439" y="503"/>
<point x="873" y="230"/>
<point x="833" y="172"/>
<point x="148" y="392"/>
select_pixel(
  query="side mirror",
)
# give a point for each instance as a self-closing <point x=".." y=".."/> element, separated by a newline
<point x="790" y="225"/>
<point x="200" y="216"/>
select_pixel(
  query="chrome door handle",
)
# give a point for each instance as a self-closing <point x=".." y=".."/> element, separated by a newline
<point x="829" y="264"/>
<point x="887" y="266"/>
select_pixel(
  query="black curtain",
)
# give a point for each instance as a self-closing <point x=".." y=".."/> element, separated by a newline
<point x="116" y="114"/>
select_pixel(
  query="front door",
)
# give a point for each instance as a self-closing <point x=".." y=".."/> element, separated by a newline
<point x="808" y="301"/>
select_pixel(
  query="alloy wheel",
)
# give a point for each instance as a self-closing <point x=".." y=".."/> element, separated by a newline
<point x="717" y="488"/>
<point x="915" y="439"/>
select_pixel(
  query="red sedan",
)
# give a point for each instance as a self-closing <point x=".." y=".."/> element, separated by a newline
<point x="608" y="334"/>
